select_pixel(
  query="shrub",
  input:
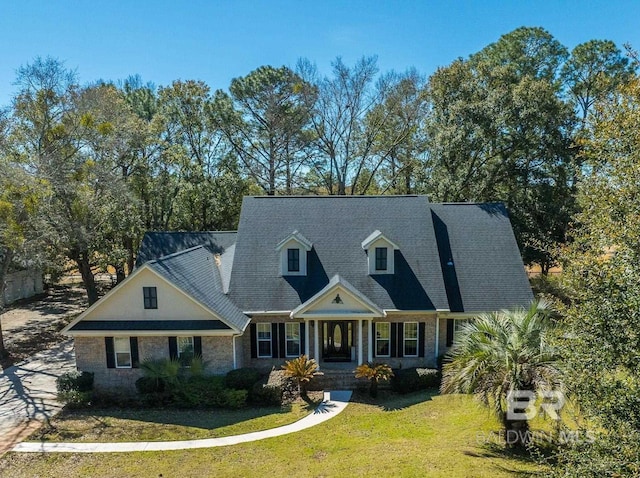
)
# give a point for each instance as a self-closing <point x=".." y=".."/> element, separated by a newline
<point x="234" y="398"/>
<point x="75" y="381"/>
<point x="148" y="385"/>
<point x="75" y="398"/>
<point x="413" y="379"/>
<point x="242" y="378"/>
<point x="302" y="370"/>
<point x="264" y="394"/>
<point x="374" y="372"/>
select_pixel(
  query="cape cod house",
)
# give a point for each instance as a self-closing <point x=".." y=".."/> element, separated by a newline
<point x="344" y="280"/>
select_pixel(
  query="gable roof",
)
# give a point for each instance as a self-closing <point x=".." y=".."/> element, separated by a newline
<point x="479" y="257"/>
<point x="374" y="236"/>
<point x="299" y="238"/>
<point x="194" y="271"/>
<point x="336" y="225"/>
<point x="159" y="244"/>
<point x="335" y="283"/>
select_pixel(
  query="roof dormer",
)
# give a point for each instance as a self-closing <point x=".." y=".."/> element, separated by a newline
<point x="380" y="253"/>
<point x="293" y="254"/>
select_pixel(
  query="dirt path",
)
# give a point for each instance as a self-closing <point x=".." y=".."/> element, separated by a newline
<point x="34" y="325"/>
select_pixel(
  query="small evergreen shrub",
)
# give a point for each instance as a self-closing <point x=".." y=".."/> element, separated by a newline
<point x="75" y="381"/>
<point x="148" y="385"/>
<point x="413" y="379"/>
<point x="267" y="395"/>
<point x="242" y="378"/>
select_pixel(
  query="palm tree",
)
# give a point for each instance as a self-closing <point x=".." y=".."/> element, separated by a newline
<point x="302" y="370"/>
<point x="502" y="352"/>
<point x="374" y="372"/>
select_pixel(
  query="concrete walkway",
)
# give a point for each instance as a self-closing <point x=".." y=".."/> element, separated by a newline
<point x="28" y="392"/>
<point x="333" y="404"/>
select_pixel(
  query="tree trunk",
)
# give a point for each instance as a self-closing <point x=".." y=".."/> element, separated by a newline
<point x="88" y="279"/>
<point x="120" y="275"/>
<point x="5" y="260"/>
<point x="128" y="245"/>
<point x="373" y="388"/>
<point x="517" y="434"/>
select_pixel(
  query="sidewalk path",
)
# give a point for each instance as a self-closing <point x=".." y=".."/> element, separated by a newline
<point x="329" y="408"/>
<point x="28" y="392"/>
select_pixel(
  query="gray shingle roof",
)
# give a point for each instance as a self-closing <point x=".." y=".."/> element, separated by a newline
<point x="148" y="325"/>
<point x="336" y="226"/>
<point x="159" y="244"/>
<point x="482" y="265"/>
<point x="194" y="271"/>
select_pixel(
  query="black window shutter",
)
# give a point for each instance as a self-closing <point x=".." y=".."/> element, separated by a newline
<point x="421" y="338"/>
<point x="254" y="340"/>
<point x="394" y="339"/>
<point x="197" y="346"/>
<point x="173" y="348"/>
<point x="400" y="339"/>
<point x="450" y="325"/>
<point x="111" y="358"/>
<point x="283" y="345"/>
<point x="135" y="356"/>
<point x="274" y="340"/>
<point x="303" y="343"/>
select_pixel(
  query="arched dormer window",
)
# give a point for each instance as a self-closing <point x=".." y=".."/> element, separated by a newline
<point x="293" y="254"/>
<point x="380" y="253"/>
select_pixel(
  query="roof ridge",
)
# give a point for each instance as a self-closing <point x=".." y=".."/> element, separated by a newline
<point x="175" y="254"/>
<point x="191" y="232"/>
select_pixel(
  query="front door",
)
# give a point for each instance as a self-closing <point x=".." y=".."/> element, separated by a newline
<point x="337" y="337"/>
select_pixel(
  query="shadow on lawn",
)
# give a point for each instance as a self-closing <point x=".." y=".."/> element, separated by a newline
<point x="389" y="401"/>
<point x="204" y="419"/>
<point x="494" y="450"/>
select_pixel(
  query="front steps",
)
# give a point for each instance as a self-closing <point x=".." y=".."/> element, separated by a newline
<point x="336" y="380"/>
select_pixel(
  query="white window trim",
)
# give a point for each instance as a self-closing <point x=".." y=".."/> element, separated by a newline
<point x="405" y="340"/>
<point x="387" y="339"/>
<point x="127" y="341"/>
<point x="457" y="323"/>
<point x="287" y="340"/>
<point x="258" y="340"/>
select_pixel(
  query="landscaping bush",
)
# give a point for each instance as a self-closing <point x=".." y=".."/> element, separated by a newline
<point x="413" y="379"/>
<point x="242" y="378"/>
<point x="147" y="385"/>
<point x="205" y="392"/>
<point x="264" y="394"/>
<point x="75" y="399"/>
<point x="75" y="381"/>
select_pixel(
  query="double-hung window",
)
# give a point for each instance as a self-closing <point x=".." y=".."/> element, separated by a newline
<point x="292" y="336"/>
<point x="263" y="331"/>
<point x="150" y="297"/>
<point x="381" y="258"/>
<point x="185" y="350"/>
<point x="293" y="260"/>
<point x="411" y="339"/>
<point x="122" y="352"/>
<point x="383" y="339"/>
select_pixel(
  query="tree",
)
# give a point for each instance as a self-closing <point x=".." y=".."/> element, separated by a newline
<point x="502" y="352"/>
<point x="594" y="70"/>
<point x="602" y="268"/>
<point x="302" y="370"/>
<point x="265" y="119"/>
<point x="374" y="372"/>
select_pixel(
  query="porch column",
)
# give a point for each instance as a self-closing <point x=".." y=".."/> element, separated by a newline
<point x="437" y="347"/>
<point x="316" y="341"/>
<point x="360" y="342"/>
<point x="371" y="341"/>
<point x="307" y="345"/>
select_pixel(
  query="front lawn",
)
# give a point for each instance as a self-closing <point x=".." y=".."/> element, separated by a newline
<point x="421" y="434"/>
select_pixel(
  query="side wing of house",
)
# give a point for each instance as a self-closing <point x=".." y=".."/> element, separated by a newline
<point x="154" y="315"/>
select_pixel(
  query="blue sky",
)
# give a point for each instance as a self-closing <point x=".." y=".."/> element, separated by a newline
<point x="216" y="41"/>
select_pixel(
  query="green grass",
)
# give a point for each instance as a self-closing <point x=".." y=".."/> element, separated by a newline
<point x="165" y="425"/>
<point x="414" y="435"/>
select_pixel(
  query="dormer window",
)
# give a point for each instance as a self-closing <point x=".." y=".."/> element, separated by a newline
<point x="380" y="253"/>
<point x="381" y="259"/>
<point x="293" y="260"/>
<point x="293" y="254"/>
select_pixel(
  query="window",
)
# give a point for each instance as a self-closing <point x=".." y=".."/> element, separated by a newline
<point x="150" y="297"/>
<point x="292" y="336"/>
<point x="293" y="260"/>
<point x="264" y="339"/>
<point x="411" y="339"/>
<point x="185" y="350"/>
<point x="383" y="339"/>
<point x="381" y="258"/>
<point x="122" y="351"/>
